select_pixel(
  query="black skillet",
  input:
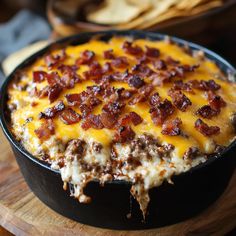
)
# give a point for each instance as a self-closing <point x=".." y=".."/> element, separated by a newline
<point x="191" y="192"/>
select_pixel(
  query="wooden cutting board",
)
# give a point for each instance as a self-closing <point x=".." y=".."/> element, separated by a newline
<point x="22" y="213"/>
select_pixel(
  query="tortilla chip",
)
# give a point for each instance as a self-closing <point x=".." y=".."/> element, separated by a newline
<point x="174" y="12"/>
<point x="117" y="12"/>
<point x="158" y="8"/>
<point x="187" y="5"/>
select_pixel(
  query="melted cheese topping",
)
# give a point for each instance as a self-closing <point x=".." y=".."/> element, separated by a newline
<point x="207" y="70"/>
<point x="153" y="168"/>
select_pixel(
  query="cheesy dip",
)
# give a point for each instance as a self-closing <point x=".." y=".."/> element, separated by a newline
<point x="127" y="109"/>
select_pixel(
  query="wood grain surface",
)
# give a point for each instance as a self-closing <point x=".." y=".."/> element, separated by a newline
<point x="22" y="213"/>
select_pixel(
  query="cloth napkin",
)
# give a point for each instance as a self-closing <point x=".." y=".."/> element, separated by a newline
<point x="23" y="29"/>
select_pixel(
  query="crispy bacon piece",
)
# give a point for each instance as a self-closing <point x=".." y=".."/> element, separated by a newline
<point x="130" y="49"/>
<point x="53" y="60"/>
<point x="69" y="116"/>
<point x="73" y="99"/>
<point x="67" y="68"/>
<point x="88" y="105"/>
<point x="110" y="113"/>
<point x="152" y="52"/>
<point x="171" y="127"/>
<point x="114" y="94"/>
<point x="69" y="76"/>
<point x="130" y="117"/>
<point x="141" y="70"/>
<point x="206" y="85"/>
<point x="108" y="54"/>
<point x="207" y="112"/>
<point x="107" y="68"/>
<point x="52" y="111"/>
<point x="94" y="89"/>
<point x="109" y="92"/>
<point x="180" y="85"/>
<point x="155" y="99"/>
<point x="120" y="62"/>
<point x="135" y="118"/>
<point x="161" y="77"/>
<point x="171" y="61"/>
<point x="108" y="120"/>
<point x="215" y="101"/>
<point x="69" y="79"/>
<point x="86" y="57"/>
<point x="125" y="93"/>
<point x="92" y="121"/>
<point x="206" y="130"/>
<point x="142" y="94"/>
<point x="124" y="134"/>
<point x="182" y="69"/>
<point x="115" y="107"/>
<point x="54" y="92"/>
<point x="179" y="99"/>
<point x="135" y="81"/>
<point x="119" y="76"/>
<point x="159" y="64"/>
<point x="161" y="112"/>
<point x="96" y="72"/>
<point x="95" y="65"/>
<point x="53" y="78"/>
<point x="39" y="76"/>
<point x="45" y="131"/>
<point x="86" y="101"/>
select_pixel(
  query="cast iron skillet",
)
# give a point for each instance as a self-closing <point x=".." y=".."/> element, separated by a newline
<point x="192" y="191"/>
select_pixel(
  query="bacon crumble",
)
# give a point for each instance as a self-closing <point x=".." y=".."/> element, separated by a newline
<point x="206" y="130"/>
<point x="206" y="85"/>
<point x="120" y="62"/>
<point x="215" y="101"/>
<point x="130" y="117"/>
<point x="46" y="129"/>
<point x="152" y="52"/>
<point x="51" y="112"/>
<point x="54" y="60"/>
<point x="155" y="99"/>
<point x="180" y="85"/>
<point x="130" y="49"/>
<point x="135" y="81"/>
<point x="108" y="54"/>
<point x="86" y="57"/>
<point x="54" y="92"/>
<point x="124" y="134"/>
<point x="141" y="70"/>
<point x="161" y="111"/>
<point x="180" y="100"/>
<point x="207" y="112"/>
<point x="69" y="116"/>
<point x="92" y="121"/>
<point x="171" y="127"/>
<point x="39" y="76"/>
<point x="159" y="64"/>
<point x="142" y="94"/>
